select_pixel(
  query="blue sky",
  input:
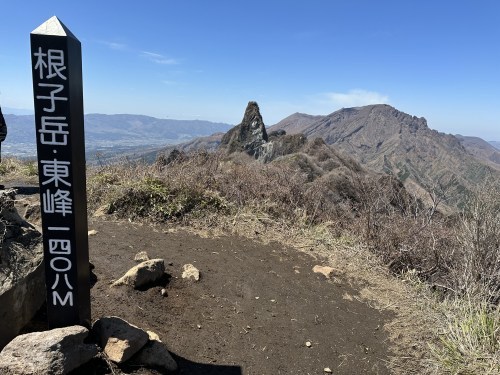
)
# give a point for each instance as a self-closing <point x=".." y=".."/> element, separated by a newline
<point x="206" y="59"/>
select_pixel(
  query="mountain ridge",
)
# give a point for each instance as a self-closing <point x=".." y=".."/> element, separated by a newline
<point x="385" y="139"/>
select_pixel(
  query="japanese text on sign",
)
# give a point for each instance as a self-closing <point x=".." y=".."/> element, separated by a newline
<point x="50" y="67"/>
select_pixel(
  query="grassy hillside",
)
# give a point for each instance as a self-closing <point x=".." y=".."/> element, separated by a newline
<point x="321" y="198"/>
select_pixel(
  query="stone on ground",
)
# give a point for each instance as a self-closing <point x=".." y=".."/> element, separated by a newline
<point x="141" y="256"/>
<point x="54" y="352"/>
<point x="22" y="275"/>
<point x="155" y="354"/>
<point x="144" y="273"/>
<point x="325" y="270"/>
<point x="119" y="339"/>
<point x="189" y="271"/>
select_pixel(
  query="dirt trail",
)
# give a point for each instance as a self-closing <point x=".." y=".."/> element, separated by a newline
<point x="252" y="312"/>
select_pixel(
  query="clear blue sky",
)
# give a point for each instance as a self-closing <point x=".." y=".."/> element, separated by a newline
<point x="188" y="59"/>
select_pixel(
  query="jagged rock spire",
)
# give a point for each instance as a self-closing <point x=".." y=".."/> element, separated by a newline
<point x="249" y="135"/>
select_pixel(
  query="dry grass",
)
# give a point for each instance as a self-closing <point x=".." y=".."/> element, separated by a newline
<point x="275" y="203"/>
<point x="12" y="169"/>
<point x="359" y="223"/>
<point x="469" y="337"/>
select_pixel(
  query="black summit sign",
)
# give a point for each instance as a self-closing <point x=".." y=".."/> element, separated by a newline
<point x="58" y="96"/>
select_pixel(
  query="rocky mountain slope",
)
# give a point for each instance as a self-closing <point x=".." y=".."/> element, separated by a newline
<point x="387" y="140"/>
<point x="481" y="149"/>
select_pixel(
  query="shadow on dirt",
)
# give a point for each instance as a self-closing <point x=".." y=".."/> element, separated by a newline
<point x="99" y="366"/>
<point x="194" y="368"/>
<point x="161" y="282"/>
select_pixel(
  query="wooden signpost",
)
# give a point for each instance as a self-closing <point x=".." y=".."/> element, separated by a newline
<point x="58" y="95"/>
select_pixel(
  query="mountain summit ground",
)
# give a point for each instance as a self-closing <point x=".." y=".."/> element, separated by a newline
<point x="258" y="307"/>
<point x="252" y="312"/>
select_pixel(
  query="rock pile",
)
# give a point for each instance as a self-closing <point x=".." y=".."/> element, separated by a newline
<point x="61" y="350"/>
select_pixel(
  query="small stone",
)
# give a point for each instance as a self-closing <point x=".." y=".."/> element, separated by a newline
<point x="308" y="344"/>
<point x="92" y="232"/>
<point x="144" y="273"/>
<point x="257" y="297"/>
<point x="327" y="370"/>
<point x="153" y="336"/>
<point x="189" y="271"/>
<point x="325" y="270"/>
<point x="141" y="256"/>
<point x="198" y="326"/>
<point x="164" y="292"/>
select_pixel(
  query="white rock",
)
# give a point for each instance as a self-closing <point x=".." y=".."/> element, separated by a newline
<point x="143" y="274"/>
<point x="325" y="270"/>
<point x="153" y="336"/>
<point x="92" y="232"/>
<point x="141" y="256"/>
<point x="308" y="344"/>
<point x="54" y="352"/>
<point x="119" y="339"/>
<point x="327" y="370"/>
<point x="190" y="271"/>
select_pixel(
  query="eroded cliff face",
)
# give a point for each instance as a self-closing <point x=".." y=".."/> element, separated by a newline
<point x="22" y="277"/>
<point x="249" y="135"/>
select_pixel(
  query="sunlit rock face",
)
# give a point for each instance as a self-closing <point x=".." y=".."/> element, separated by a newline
<point x="249" y="135"/>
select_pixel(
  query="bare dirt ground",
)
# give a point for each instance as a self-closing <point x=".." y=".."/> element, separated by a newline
<point x="252" y="312"/>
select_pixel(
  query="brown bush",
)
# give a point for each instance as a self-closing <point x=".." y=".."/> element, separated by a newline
<point x="407" y="234"/>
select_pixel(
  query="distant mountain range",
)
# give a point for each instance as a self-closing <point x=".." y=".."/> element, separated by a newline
<point x="379" y="137"/>
<point x="112" y="133"/>
<point x="488" y="151"/>
<point x="377" y="128"/>
<point x="387" y="140"/>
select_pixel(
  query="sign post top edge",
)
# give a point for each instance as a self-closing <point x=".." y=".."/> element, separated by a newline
<point x="54" y="27"/>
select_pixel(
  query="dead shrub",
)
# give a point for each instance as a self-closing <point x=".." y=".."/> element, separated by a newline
<point x="477" y="257"/>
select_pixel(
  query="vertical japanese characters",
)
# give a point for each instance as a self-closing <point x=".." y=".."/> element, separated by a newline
<point x="51" y="97"/>
<point x="56" y="61"/>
